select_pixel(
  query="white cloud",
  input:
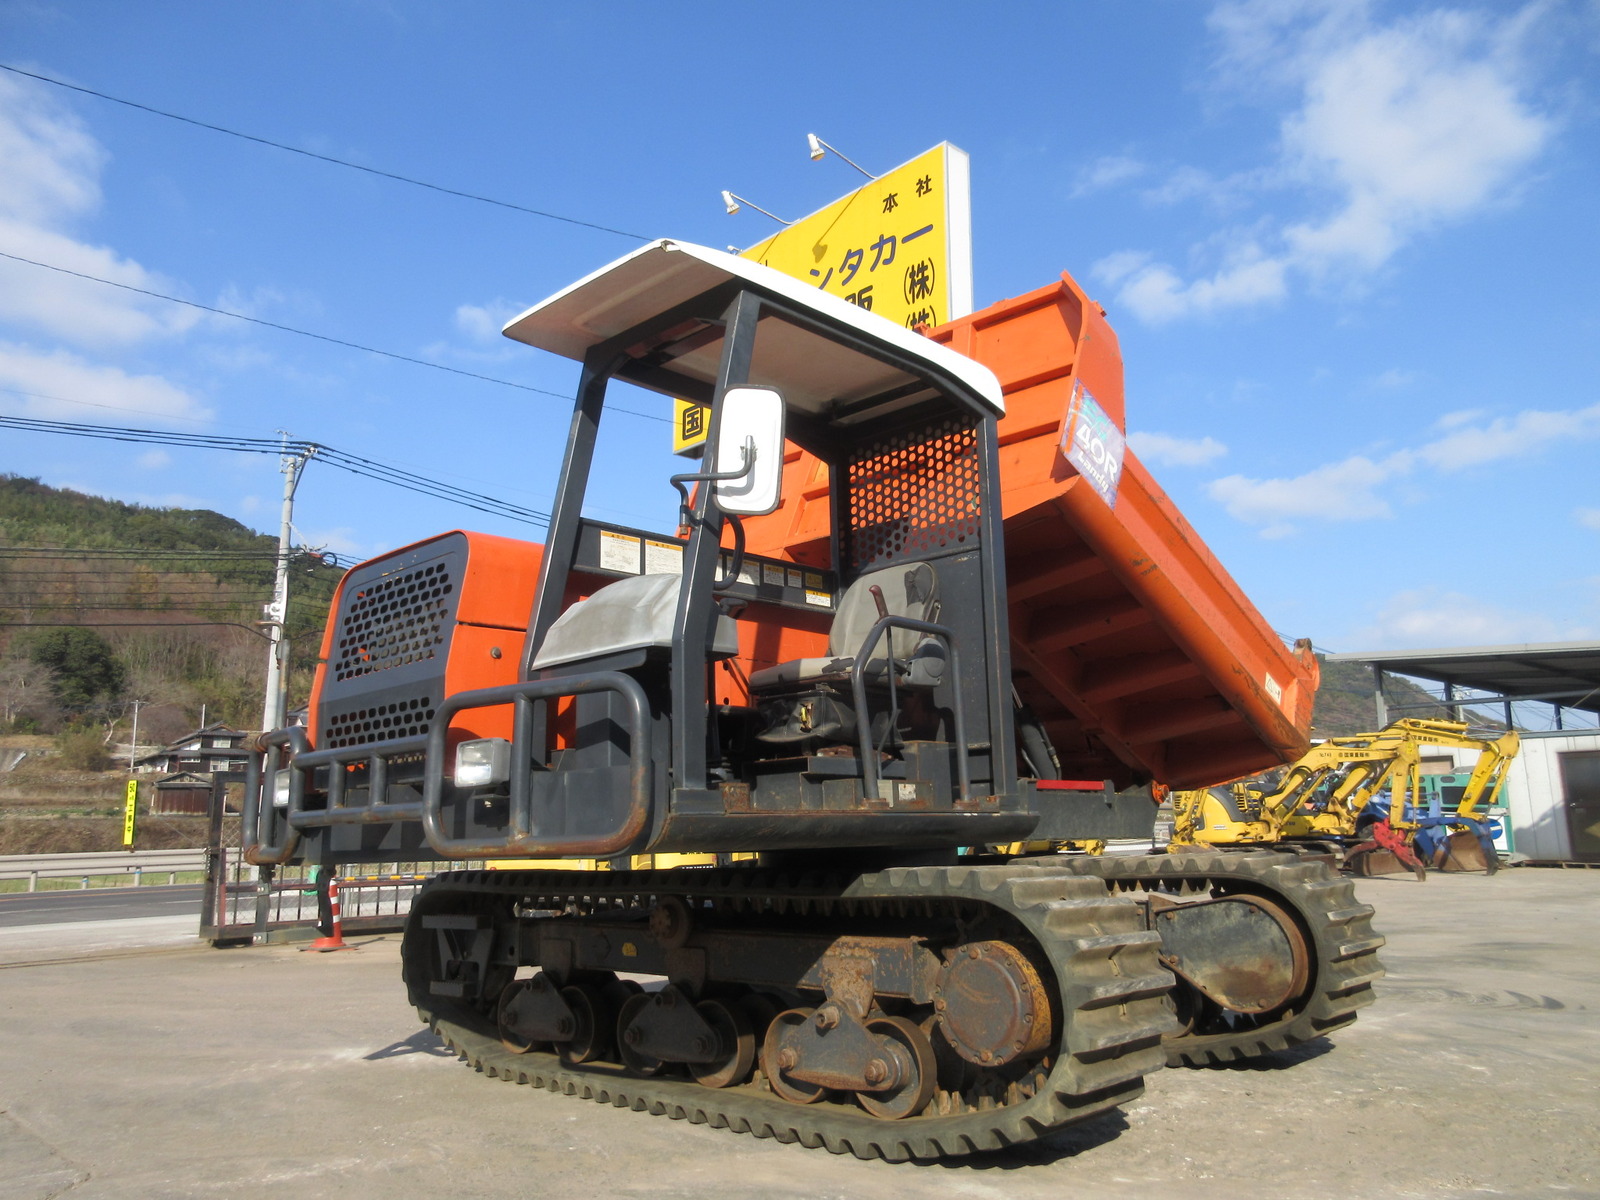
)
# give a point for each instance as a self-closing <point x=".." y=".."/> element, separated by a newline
<point x="154" y="460"/>
<point x="1454" y="420"/>
<point x="1511" y="437"/>
<point x="1399" y="127"/>
<point x="1354" y="489"/>
<point x="49" y="180"/>
<point x="62" y="386"/>
<point x="1340" y="491"/>
<point x="483" y="322"/>
<point x="1589" y="518"/>
<point x="1394" y="379"/>
<point x="1165" y="450"/>
<point x="1105" y="173"/>
<point x="1433" y="618"/>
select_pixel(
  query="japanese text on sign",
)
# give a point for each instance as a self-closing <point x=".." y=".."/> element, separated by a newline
<point x="129" y="809"/>
<point x="899" y="247"/>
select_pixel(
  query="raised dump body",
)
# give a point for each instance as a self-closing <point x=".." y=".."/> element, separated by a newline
<point x="1129" y="640"/>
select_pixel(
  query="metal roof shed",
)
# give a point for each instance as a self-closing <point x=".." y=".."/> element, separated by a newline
<point x="1553" y="790"/>
<point x="1563" y="674"/>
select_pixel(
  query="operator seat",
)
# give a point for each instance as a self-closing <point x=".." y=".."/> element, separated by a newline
<point x="632" y="617"/>
<point x="809" y="699"/>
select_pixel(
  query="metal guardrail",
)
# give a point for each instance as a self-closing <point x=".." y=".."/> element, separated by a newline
<point x="34" y="867"/>
<point x="246" y="903"/>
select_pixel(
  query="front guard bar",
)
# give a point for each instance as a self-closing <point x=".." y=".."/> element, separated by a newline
<point x="261" y="823"/>
<point x="522" y="840"/>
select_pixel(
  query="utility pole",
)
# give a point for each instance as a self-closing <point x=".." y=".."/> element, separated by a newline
<point x="133" y="746"/>
<point x="276" y="614"/>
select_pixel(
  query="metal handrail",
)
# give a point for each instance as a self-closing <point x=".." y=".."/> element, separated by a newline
<point x="871" y="778"/>
<point x="376" y="758"/>
<point x="257" y="821"/>
<point x="522" y="841"/>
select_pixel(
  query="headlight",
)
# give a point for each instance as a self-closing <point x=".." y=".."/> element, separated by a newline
<point x="483" y="762"/>
<point x="280" y="789"/>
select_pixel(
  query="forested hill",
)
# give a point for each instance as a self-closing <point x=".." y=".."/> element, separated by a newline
<point x="172" y="595"/>
<point x="1345" y="703"/>
<point x="35" y="514"/>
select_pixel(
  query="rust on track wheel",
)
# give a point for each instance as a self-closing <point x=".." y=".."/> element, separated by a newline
<point x="736" y="1044"/>
<point x="506" y="1019"/>
<point x="796" y="1091"/>
<point x="638" y="1064"/>
<point x="913" y="1053"/>
<point x="588" y="1041"/>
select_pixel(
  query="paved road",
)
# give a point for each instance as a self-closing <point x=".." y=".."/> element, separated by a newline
<point x="99" y="904"/>
<point x="194" y="1074"/>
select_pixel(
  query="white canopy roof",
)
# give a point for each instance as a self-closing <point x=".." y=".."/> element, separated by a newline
<point x="811" y="371"/>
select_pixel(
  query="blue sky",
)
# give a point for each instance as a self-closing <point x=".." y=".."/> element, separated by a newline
<point x="1350" y="249"/>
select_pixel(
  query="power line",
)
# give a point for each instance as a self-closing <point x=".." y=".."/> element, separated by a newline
<point x="338" y="162"/>
<point x="355" y="464"/>
<point x="321" y="337"/>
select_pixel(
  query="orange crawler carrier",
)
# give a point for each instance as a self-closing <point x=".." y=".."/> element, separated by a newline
<point x="1129" y="640"/>
<point x="848" y="716"/>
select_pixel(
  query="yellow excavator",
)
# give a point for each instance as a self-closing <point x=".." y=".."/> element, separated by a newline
<point x="1333" y="799"/>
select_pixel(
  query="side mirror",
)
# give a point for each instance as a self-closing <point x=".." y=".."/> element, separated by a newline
<point x="749" y="442"/>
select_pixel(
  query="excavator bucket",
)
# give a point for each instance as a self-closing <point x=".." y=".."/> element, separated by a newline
<point x="1465" y="851"/>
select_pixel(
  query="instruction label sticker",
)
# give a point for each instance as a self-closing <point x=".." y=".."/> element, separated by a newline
<point x="619" y="552"/>
<point x="663" y="558"/>
<point x="1091" y="442"/>
<point x="1275" y="690"/>
<point x="771" y="574"/>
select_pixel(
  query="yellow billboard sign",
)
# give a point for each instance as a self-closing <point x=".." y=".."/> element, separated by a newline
<point x="129" y="809"/>
<point x="900" y="246"/>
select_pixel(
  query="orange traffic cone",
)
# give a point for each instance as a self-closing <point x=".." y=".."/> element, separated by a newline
<point x="336" y="941"/>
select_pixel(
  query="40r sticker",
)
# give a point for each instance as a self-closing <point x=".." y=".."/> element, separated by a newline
<point x="1091" y="442"/>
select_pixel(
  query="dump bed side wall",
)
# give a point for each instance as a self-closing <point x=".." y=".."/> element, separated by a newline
<point x="1130" y="641"/>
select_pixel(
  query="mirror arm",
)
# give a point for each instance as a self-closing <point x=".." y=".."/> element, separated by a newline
<point x="735" y="560"/>
<point x="747" y="453"/>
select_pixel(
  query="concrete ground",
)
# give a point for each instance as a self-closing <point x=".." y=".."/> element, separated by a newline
<point x="175" y="1071"/>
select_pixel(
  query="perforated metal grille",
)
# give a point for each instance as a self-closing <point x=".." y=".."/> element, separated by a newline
<point x="393" y="622"/>
<point x="378" y="723"/>
<point x="912" y="494"/>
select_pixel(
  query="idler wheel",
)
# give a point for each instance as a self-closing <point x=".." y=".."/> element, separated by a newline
<point x="506" y="1019"/>
<point x="913" y="1054"/>
<point x="736" y="1045"/>
<point x="775" y="1064"/>
<point x="587" y="1041"/>
<point x="637" y="1062"/>
<point x="993" y="1007"/>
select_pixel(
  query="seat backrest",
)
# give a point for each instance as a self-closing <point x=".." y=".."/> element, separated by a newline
<point x="630" y="614"/>
<point x="909" y="590"/>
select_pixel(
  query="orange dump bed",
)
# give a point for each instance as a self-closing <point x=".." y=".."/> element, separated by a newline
<point x="1129" y="640"/>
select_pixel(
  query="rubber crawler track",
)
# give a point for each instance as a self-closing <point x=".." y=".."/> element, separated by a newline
<point x="1112" y="990"/>
<point x="1345" y="947"/>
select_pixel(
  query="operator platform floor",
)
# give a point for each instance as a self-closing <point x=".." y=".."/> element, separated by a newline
<point x="177" y="1071"/>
